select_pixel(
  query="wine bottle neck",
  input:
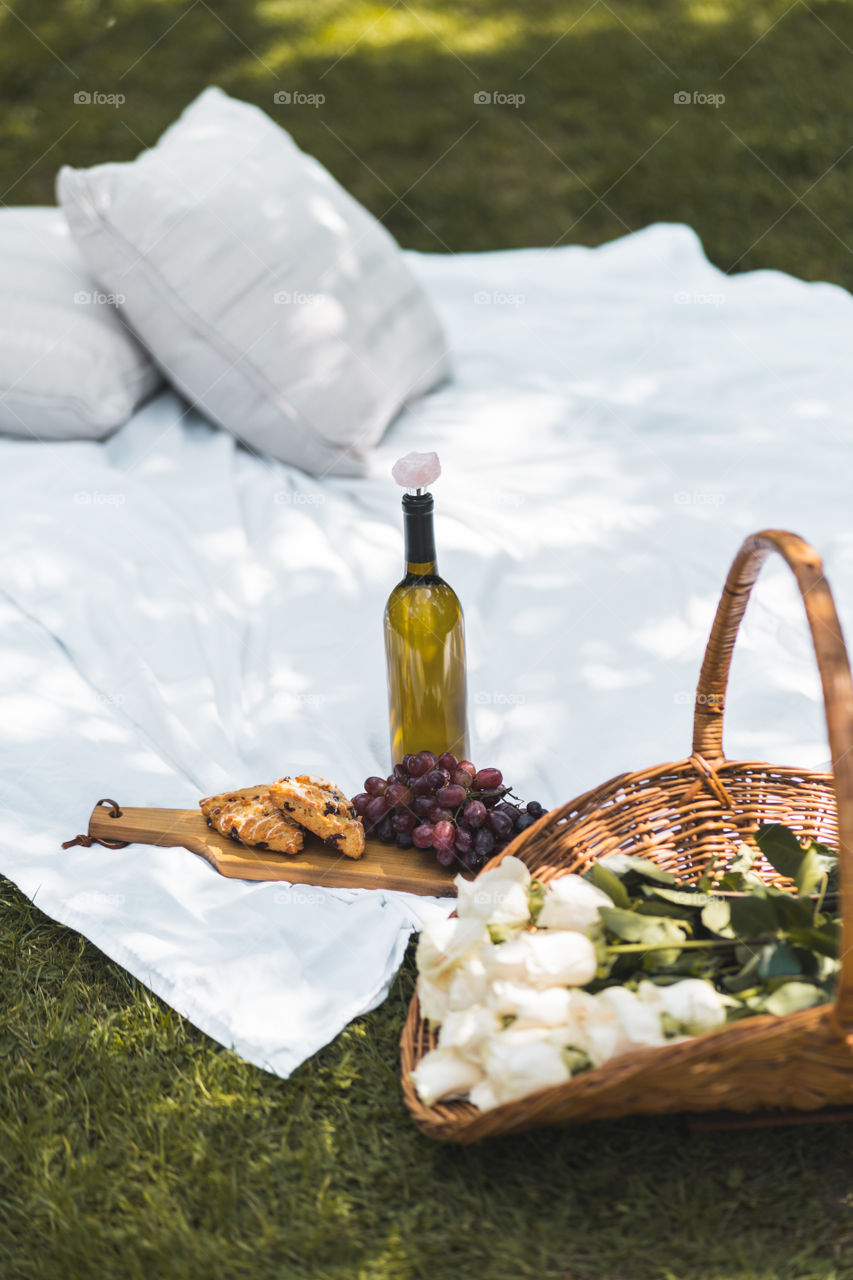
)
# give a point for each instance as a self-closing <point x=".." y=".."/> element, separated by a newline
<point x="419" y="533"/>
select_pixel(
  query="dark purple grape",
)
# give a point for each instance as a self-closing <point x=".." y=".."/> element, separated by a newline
<point x="464" y="842"/>
<point x="504" y="806"/>
<point x="437" y="814"/>
<point x="404" y="840"/>
<point x="429" y="758"/>
<point x="360" y="802"/>
<point x="375" y="810"/>
<point x="484" y="843"/>
<point x="398" y="796"/>
<point x="451" y="797"/>
<point x="474" y="813"/>
<point x="523" y="821"/>
<point x="461" y="778"/>
<point x="416" y="766"/>
<point x="437" y="778"/>
<point x="447" y="760"/>
<point x="375" y="786"/>
<point x="423" y="806"/>
<point x="535" y="809"/>
<point x="400" y="774"/>
<point x="445" y="857"/>
<point x="385" y="832"/>
<point x="500" y="824"/>
<point x="421" y="787"/>
<point x="422" y="836"/>
<point x="404" y="821"/>
<point x="488" y="779"/>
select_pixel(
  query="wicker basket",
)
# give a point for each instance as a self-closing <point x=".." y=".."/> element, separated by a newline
<point x="681" y="815"/>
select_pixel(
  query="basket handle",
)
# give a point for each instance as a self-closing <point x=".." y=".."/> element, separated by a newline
<point x="834" y="667"/>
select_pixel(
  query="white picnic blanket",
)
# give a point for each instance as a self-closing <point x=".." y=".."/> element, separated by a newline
<point x="179" y="617"/>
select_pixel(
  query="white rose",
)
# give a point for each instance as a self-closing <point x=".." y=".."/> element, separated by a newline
<point x="572" y="903"/>
<point x="520" y="1062"/>
<point x="641" y="1022"/>
<point x="444" y="942"/>
<point x="692" y="1003"/>
<point x="594" y="1028"/>
<point x="555" y="959"/>
<point x="531" y="1007"/>
<point x="466" y="1029"/>
<point x="444" y="1073"/>
<point x="498" y="896"/>
<point x="468" y="984"/>
<point x="483" y="1096"/>
<point x="433" y="996"/>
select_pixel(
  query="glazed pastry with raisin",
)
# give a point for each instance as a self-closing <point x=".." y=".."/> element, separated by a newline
<point x="321" y="807"/>
<point x="250" y="817"/>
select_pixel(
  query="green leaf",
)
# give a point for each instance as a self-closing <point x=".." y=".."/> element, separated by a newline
<point x="791" y="911"/>
<point x="683" y="897"/>
<point x="792" y="996"/>
<point x="742" y="981"/>
<point x="631" y="927"/>
<point x="744" y="860"/>
<point x="610" y="884"/>
<point x="811" y="872"/>
<point x="825" y="939"/>
<point x="783" y="850"/>
<point x="778" y="959"/>
<point x="752" y="916"/>
<point x="716" y="918"/>
<point x="654" y="907"/>
<point x="620" y="864"/>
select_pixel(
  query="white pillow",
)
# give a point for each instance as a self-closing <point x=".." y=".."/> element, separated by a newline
<point x="69" y="368"/>
<point x="268" y="295"/>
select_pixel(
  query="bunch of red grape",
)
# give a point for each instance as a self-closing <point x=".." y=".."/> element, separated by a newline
<point x="445" y="804"/>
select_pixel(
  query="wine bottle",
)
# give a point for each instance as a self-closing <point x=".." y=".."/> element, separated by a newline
<point x="424" y="634"/>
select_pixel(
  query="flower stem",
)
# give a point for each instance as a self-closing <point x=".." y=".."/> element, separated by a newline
<point x="632" y="948"/>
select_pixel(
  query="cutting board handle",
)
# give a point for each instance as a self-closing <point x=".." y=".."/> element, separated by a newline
<point x="141" y="826"/>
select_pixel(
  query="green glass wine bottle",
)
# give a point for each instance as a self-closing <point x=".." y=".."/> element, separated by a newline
<point x="425" y="645"/>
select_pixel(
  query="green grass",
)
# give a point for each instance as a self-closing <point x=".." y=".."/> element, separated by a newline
<point x="598" y="147"/>
<point x="130" y="1144"/>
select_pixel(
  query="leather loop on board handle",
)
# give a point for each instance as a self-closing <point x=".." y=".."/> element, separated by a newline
<point x="834" y="668"/>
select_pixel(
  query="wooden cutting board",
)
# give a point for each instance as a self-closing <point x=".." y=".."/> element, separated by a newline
<point x="381" y="867"/>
